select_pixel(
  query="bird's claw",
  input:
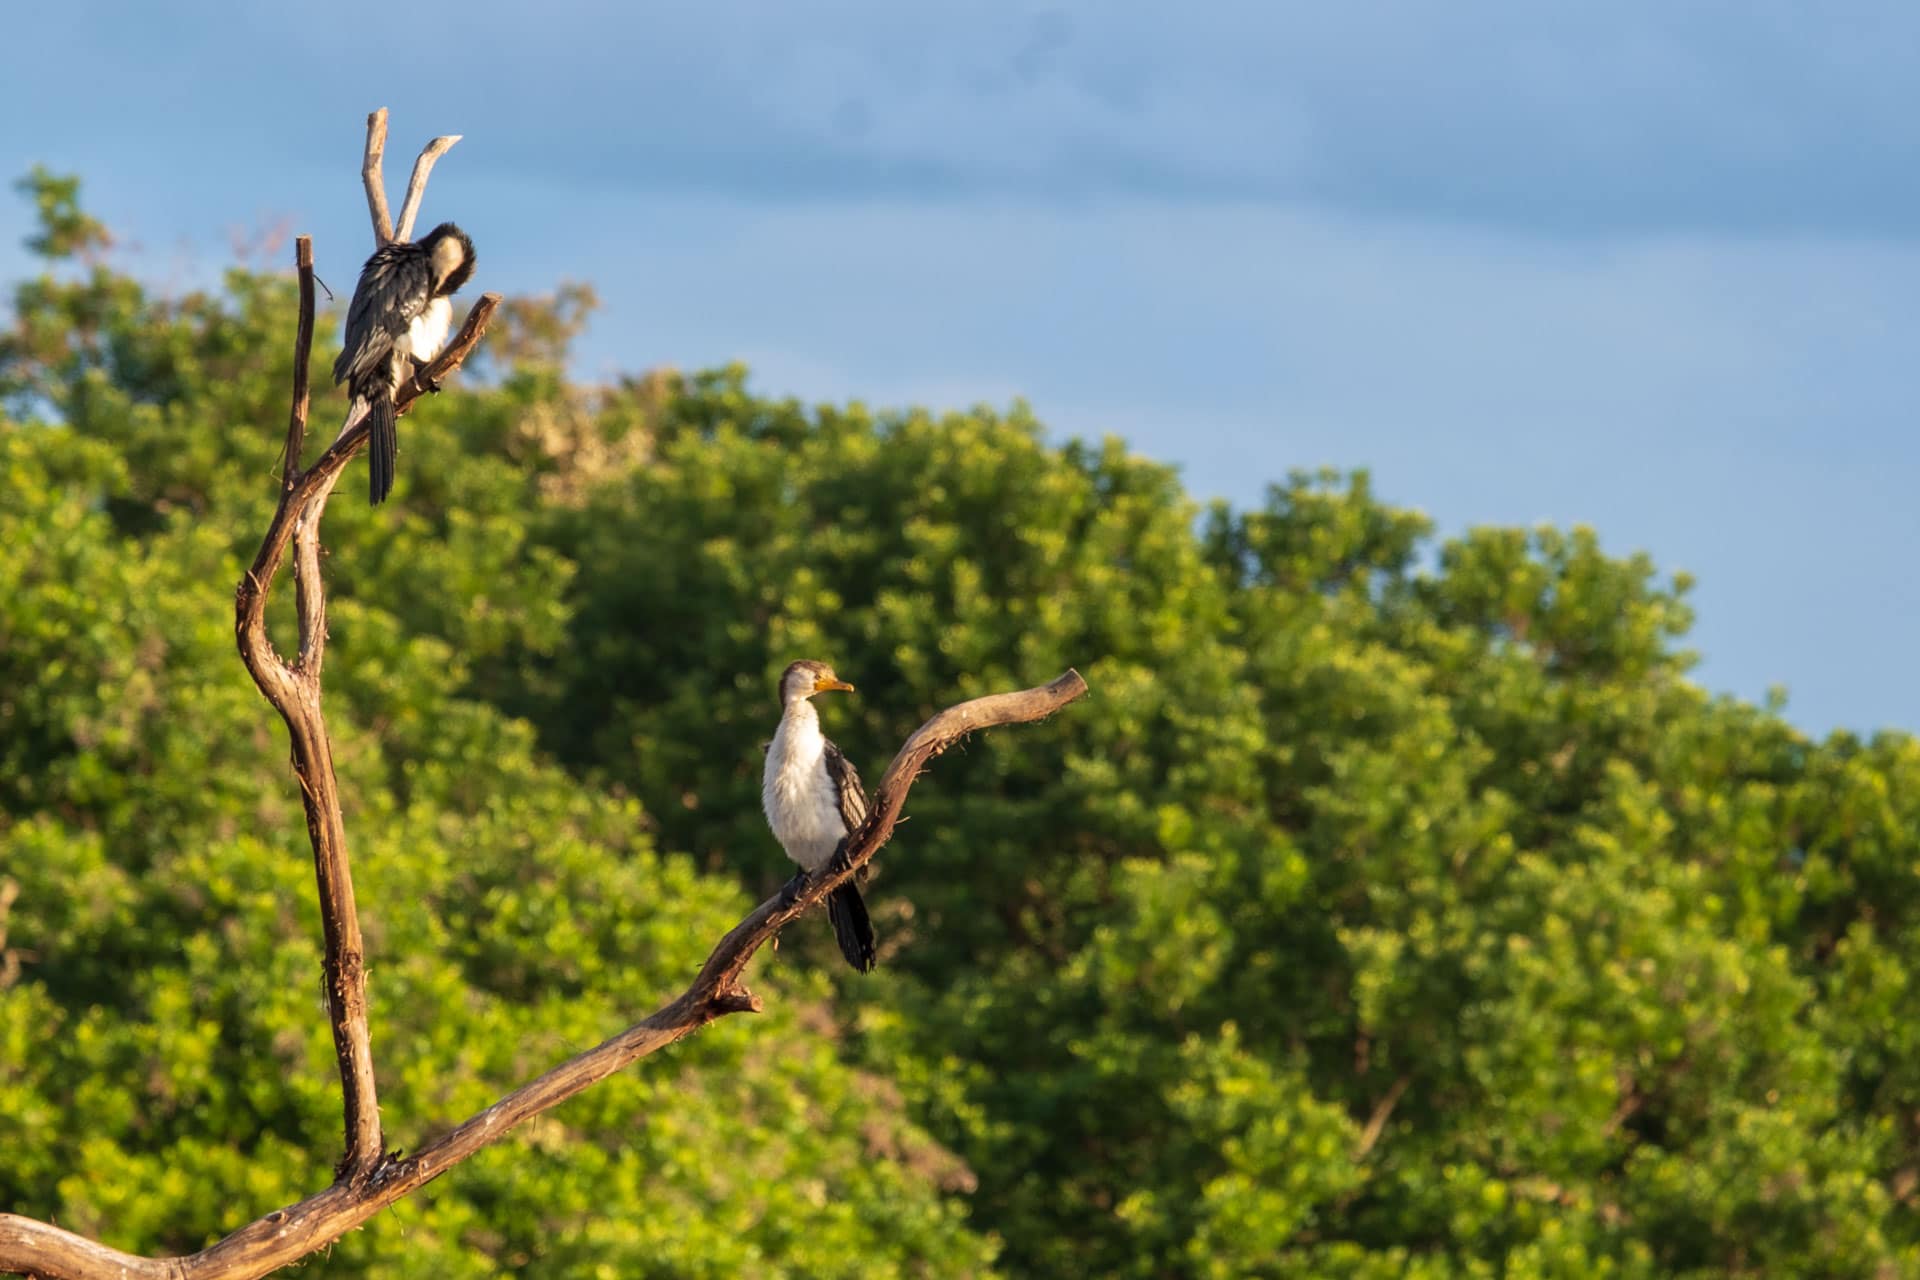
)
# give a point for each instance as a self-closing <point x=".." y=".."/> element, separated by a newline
<point x="839" y="860"/>
<point x="421" y="379"/>
<point x="790" y="892"/>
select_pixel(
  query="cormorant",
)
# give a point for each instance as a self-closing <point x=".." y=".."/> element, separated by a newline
<point x="398" y="321"/>
<point x="814" y="801"/>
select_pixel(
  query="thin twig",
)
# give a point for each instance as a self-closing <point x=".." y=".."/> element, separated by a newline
<point x="375" y="183"/>
<point x="302" y="353"/>
<point x="1631" y="1100"/>
<point x="1377" y="1122"/>
<point x="310" y="599"/>
<point x="417" y="184"/>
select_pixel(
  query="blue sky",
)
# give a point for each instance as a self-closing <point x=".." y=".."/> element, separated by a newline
<point x="1645" y="266"/>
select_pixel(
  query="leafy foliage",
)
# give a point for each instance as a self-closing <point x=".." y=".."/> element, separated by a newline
<point x="165" y="1068"/>
<point x="1394" y="907"/>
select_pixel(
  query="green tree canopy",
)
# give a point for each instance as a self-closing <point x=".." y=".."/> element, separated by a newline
<point x="1395" y="906"/>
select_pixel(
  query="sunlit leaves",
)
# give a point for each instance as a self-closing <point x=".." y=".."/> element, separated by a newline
<point x="1393" y="907"/>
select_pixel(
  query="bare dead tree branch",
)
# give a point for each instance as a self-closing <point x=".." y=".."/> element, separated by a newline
<point x="294" y="691"/>
<point x="375" y="183"/>
<point x="417" y="184"/>
<point x="723" y="968"/>
<point x="371" y="177"/>
<point x="286" y="1235"/>
<point x="302" y="346"/>
<point x="367" y="1178"/>
<point x="294" y="688"/>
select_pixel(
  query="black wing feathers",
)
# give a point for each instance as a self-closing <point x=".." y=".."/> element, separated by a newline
<point x="395" y="286"/>
<point x="383" y="449"/>
<point x="851" y="928"/>
<point x="846" y="783"/>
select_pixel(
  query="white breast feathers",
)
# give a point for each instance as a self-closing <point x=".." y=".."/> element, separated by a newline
<point x="427" y="332"/>
<point x="801" y="803"/>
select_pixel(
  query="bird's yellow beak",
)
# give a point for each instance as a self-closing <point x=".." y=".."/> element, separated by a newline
<point x="825" y="683"/>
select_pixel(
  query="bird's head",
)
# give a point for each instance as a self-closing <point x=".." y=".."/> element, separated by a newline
<point x="805" y="678"/>
<point x="449" y="258"/>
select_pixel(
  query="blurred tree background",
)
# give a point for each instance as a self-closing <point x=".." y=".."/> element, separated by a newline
<point x="1393" y="907"/>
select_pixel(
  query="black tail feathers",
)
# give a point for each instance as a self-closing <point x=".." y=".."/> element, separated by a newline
<point x="383" y="447"/>
<point x="851" y="927"/>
